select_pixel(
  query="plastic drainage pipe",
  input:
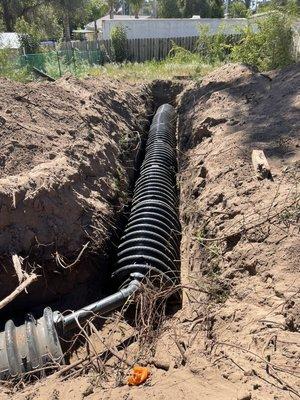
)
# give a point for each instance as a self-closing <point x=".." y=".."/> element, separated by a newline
<point x="100" y="307"/>
<point x="149" y="247"/>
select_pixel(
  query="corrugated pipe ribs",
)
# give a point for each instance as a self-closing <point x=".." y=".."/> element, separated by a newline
<point x="149" y="248"/>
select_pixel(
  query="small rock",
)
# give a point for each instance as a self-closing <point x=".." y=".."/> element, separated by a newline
<point x="89" y="390"/>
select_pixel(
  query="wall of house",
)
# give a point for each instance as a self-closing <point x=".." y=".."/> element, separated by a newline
<point x="172" y="27"/>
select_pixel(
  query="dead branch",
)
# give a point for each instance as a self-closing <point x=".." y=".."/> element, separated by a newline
<point x="28" y="281"/>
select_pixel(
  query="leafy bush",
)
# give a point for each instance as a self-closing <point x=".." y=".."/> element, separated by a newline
<point x="270" y="47"/>
<point x="238" y="9"/>
<point x="29" y="35"/>
<point x="119" y="38"/>
<point x="213" y="48"/>
<point x="180" y="55"/>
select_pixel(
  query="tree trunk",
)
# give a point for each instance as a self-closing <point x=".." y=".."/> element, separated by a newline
<point x="7" y="16"/>
<point x="66" y="23"/>
<point x="96" y="30"/>
<point x="111" y="13"/>
<point x="136" y="14"/>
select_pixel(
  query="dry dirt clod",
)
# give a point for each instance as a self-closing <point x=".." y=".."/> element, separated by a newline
<point x="261" y="165"/>
<point x="245" y="396"/>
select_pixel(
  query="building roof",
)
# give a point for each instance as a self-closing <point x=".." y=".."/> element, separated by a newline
<point x="91" y="25"/>
<point x="9" y="40"/>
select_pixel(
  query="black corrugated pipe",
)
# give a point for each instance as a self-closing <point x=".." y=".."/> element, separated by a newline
<point x="149" y="247"/>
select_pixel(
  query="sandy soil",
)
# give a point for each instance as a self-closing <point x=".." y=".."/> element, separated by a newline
<point x="67" y="156"/>
<point x="237" y="334"/>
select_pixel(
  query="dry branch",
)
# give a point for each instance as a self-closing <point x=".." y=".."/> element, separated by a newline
<point x="28" y="281"/>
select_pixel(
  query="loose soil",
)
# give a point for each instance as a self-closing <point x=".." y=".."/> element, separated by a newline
<point x="68" y="153"/>
<point x="237" y="335"/>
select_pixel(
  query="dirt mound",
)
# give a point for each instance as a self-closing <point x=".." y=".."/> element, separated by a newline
<point x="237" y="334"/>
<point x="68" y="154"/>
<point x="240" y="234"/>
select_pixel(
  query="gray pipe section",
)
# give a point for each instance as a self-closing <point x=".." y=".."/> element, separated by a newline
<point x="149" y="247"/>
<point x="100" y="307"/>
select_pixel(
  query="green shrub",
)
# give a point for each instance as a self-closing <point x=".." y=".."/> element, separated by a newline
<point x="238" y="9"/>
<point x="270" y="47"/>
<point x="11" y="68"/>
<point x="119" y="38"/>
<point x="29" y="35"/>
<point x="180" y="55"/>
<point x="213" y="47"/>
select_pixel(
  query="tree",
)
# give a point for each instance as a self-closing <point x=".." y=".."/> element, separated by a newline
<point x="14" y="9"/>
<point x="136" y="5"/>
<point x="195" y="7"/>
<point x="216" y="9"/>
<point x="168" y="9"/>
<point x="112" y="6"/>
<point x="41" y="25"/>
<point x="66" y="10"/>
<point x="1" y="19"/>
<point x="96" y="9"/>
<point x="237" y="9"/>
<point x="29" y="34"/>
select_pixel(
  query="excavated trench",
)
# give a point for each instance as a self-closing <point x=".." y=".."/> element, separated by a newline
<point x="152" y="233"/>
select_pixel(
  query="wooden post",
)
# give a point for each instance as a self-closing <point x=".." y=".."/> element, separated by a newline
<point x="58" y="61"/>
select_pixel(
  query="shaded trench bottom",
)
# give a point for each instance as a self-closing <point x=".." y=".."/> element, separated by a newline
<point x="46" y="333"/>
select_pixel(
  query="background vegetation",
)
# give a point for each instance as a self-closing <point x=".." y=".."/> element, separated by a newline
<point x="268" y="46"/>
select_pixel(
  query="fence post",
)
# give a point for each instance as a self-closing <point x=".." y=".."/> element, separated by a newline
<point x="58" y="61"/>
<point x="73" y="57"/>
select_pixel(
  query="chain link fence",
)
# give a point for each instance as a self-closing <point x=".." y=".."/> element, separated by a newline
<point x="58" y="62"/>
<point x="54" y="63"/>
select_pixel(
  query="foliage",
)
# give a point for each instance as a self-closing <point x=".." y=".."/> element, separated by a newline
<point x="112" y="6"/>
<point x="29" y="35"/>
<point x="168" y="9"/>
<point x="96" y="9"/>
<point x="204" y="8"/>
<point x="216" y="9"/>
<point x="48" y="22"/>
<point x="148" y="7"/>
<point x="66" y="10"/>
<point x="213" y="48"/>
<point x="14" y="9"/>
<point x="291" y="7"/>
<point x="1" y="19"/>
<point x="179" y="63"/>
<point x="237" y="9"/>
<point x="189" y="8"/>
<point x="78" y="67"/>
<point x="268" y="48"/>
<point x="10" y="68"/>
<point x="119" y="38"/>
<point x="136" y="5"/>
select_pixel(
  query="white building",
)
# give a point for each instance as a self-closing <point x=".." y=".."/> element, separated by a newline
<point x="9" y="40"/>
<point x="89" y="29"/>
<point x="171" y="27"/>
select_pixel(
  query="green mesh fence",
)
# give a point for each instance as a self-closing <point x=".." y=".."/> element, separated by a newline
<point x="57" y="63"/>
